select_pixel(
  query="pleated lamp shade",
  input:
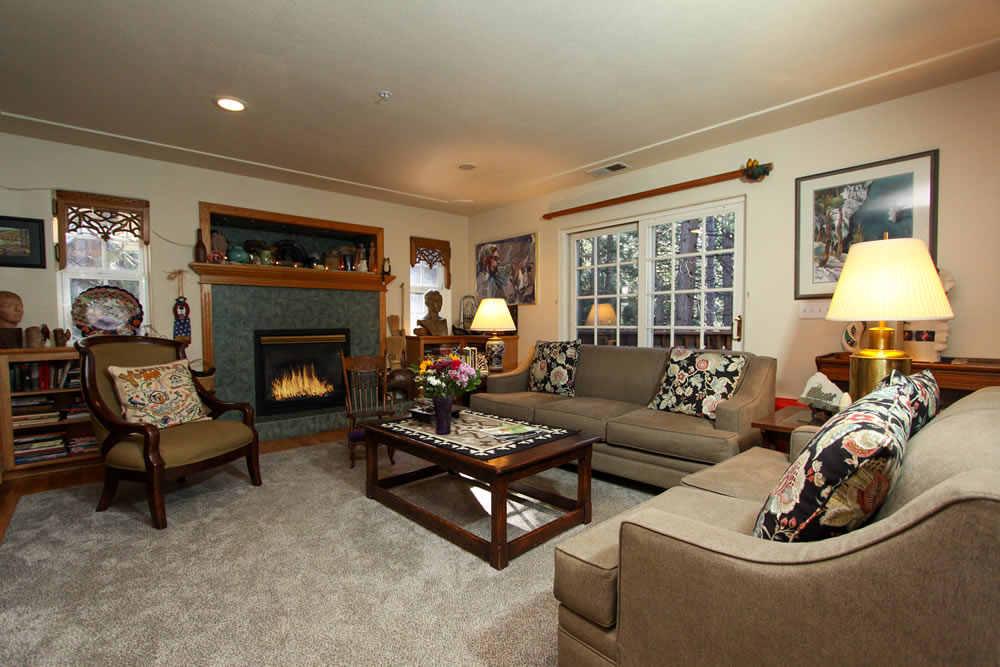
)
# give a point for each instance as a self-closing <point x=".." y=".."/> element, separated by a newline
<point x="493" y="315"/>
<point x="888" y="280"/>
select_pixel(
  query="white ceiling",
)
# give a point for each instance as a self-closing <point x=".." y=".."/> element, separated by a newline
<point x="534" y="92"/>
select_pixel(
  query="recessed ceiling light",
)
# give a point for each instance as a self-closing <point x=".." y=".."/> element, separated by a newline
<point x="231" y="103"/>
<point x="467" y="166"/>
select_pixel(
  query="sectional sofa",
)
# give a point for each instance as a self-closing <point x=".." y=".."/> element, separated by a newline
<point x="681" y="579"/>
<point x="613" y="387"/>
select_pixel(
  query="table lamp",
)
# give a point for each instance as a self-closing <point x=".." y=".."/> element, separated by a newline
<point x="603" y="315"/>
<point x="886" y="280"/>
<point x="494" y="316"/>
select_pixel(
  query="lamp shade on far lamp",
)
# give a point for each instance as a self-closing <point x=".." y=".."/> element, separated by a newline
<point x="886" y="280"/>
<point x="603" y="315"/>
<point x="493" y="316"/>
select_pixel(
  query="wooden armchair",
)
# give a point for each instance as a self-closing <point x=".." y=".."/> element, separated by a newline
<point x="144" y="452"/>
<point x="368" y="398"/>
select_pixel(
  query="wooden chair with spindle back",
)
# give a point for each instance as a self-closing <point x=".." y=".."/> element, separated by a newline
<point x="367" y="397"/>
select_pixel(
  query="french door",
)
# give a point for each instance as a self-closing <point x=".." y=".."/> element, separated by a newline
<point x="672" y="279"/>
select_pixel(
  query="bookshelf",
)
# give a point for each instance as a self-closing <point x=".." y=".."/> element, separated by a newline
<point x="43" y="419"/>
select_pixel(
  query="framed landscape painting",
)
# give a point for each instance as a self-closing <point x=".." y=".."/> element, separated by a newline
<point x="834" y="209"/>
<point x="21" y="242"/>
<point x="506" y="269"/>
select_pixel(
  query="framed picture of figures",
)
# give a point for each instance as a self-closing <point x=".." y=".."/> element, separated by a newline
<point x="834" y="209"/>
<point x="506" y="269"/>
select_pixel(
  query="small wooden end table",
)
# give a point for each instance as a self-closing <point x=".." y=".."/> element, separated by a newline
<point x="500" y="475"/>
<point x="777" y="427"/>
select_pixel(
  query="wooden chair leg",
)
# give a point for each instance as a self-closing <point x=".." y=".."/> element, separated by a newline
<point x="110" y="486"/>
<point x="154" y="495"/>
<point x="350" y="451"/>
<point x="253" y="467"/>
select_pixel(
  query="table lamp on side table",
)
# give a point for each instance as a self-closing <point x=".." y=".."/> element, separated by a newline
<point x="494" y="316"/>
<point x="886" y="280"/>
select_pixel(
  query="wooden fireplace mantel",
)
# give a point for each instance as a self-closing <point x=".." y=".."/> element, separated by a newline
<point x="282" y="276"/>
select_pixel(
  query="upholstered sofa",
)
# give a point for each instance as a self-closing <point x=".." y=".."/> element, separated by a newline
<point x="682" y="579"/>
<point x="613" y="387"/>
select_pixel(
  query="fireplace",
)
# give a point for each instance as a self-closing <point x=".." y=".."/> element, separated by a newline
<point x="299" y="369"/>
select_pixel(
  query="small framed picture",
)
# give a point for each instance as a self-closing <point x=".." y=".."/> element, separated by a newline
<point x="469" y="306"/>
<point x="22" y="242"/>
<point x="895" y="197"/>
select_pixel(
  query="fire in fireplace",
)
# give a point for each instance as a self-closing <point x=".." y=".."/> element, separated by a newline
<point x="299" y="369"/>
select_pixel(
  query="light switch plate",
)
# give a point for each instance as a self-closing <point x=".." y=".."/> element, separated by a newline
<point x="813" y="309"/>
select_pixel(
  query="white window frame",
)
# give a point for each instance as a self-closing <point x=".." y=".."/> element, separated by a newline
<point x="419" y="289"/>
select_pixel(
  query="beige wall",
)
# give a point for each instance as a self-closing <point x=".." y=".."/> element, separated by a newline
<point x="31" y="169"/>
<point x="961" y="120"/>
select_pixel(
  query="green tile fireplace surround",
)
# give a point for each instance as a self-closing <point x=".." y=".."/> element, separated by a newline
<point x="238" y="310"/>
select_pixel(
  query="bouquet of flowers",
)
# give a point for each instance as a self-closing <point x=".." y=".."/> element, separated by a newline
<point x="445" y="376"/>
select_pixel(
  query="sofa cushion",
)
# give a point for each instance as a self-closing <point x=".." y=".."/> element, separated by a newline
<point x="553" y="369"/>
<point x="749" y="475"/>
<point x="925" y="392"/>
<point x="515" y="405"/>
<point x="845" y="472"/>
<point x="589" y="415"/>
<point x="163" y="395"/>
<point x="696" y="381"/>
<point x="183" y="444"/>
<point x="673" y="434"/>
<point x="586" y="565"/>
<point x="630" y="374"/>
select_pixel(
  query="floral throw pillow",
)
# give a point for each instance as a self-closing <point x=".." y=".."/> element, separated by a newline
<point x="162" y="395"/>
<point x="925" y="391"/>
<point x="695" y="382"/>
<point x="553" y="370"/>
<point x="845" y="472"/>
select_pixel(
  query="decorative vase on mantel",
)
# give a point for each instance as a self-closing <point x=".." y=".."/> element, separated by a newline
<point x="442" y="414"/>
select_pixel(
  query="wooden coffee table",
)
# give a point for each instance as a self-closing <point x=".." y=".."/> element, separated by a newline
<point x="500" y="475"/>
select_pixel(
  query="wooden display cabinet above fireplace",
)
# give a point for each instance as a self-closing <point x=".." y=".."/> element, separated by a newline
<point x="270" y="224"/>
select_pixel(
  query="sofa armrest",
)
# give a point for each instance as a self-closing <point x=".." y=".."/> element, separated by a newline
<point x="754" y="397"/>
<point x="511" y="381"/>
<point x="798" y="440"/>
<point x="703" y="594"/>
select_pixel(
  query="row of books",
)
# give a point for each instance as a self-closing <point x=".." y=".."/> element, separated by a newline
<point x="42" y="375"/>
<point x="35" y="410"/>
<point x="52" y="445"/>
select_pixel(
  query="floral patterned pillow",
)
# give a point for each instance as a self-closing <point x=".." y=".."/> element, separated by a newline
<point x="553" y="369"/>
<point x="162" y="395"/>
<point x="695" y="382"/>
<point x="845" y="472"/>
<point x="925" y="391"/>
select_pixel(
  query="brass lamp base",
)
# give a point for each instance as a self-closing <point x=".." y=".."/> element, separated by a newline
<point x="869" y="366"/>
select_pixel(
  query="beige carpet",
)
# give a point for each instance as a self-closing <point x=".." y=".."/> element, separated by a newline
<point x="303" y="570"/>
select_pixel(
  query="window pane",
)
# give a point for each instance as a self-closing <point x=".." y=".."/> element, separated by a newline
<point x="585" y="282"/>
<point x="662" y="338"/>
<point x="607" y="336"/>
<point x="688" y="273"/>
<point x="688" y="236"/>
<point x="663" y="245"/>
<point x="607" y="249"/>
<point x="719" y="271"/>
<point x="586" y="336"/>
<point x="122" y="255"/>
<point x="628" y="338"/>
<point x="83" y="252"/>
<point x="607" y="280"/>
<point x="585" y="252"/>
<point x="583" y="307"/>
<point x="661" y="310"/>
<point x="630" y="278"/>
<point x="687" y="309"/>
<point x="718" y="309"/>
<point x="720" y="232"/>
<point x="661" y="275"/>
<point x="629" y="311"/>
<point x="629" y="245"/>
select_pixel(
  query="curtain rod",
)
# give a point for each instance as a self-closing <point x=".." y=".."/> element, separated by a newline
<point x="753" y="172"/>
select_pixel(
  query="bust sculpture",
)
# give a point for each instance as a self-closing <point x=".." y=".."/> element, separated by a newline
<point x="11" y="310"/>
<point x="432" y="323"/>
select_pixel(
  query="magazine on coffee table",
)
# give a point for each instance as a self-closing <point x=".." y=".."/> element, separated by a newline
<point x="509" y="430"/>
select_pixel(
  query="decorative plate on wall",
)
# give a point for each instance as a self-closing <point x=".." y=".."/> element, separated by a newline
<point x="106" y="310"/>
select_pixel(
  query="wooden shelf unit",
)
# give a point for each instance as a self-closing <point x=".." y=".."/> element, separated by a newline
<point x="417" y="346"/>
<point x="8" y="429"/>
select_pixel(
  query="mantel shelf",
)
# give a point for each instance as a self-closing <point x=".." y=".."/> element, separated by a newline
<point x="278" y="276"/>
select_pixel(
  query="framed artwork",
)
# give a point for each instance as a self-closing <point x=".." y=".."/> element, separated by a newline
<point x="506" y="269"/>
<point x="22" y="242"/>
<point x="837" y="208"/>
<point x="469" y="305"/>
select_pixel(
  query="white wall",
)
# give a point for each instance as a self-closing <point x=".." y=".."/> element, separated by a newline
<point x="961" y="120"/>
<point x="30" y="170"/>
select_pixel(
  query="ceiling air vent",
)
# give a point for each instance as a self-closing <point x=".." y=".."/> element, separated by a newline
<point x="609" y="168"/>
